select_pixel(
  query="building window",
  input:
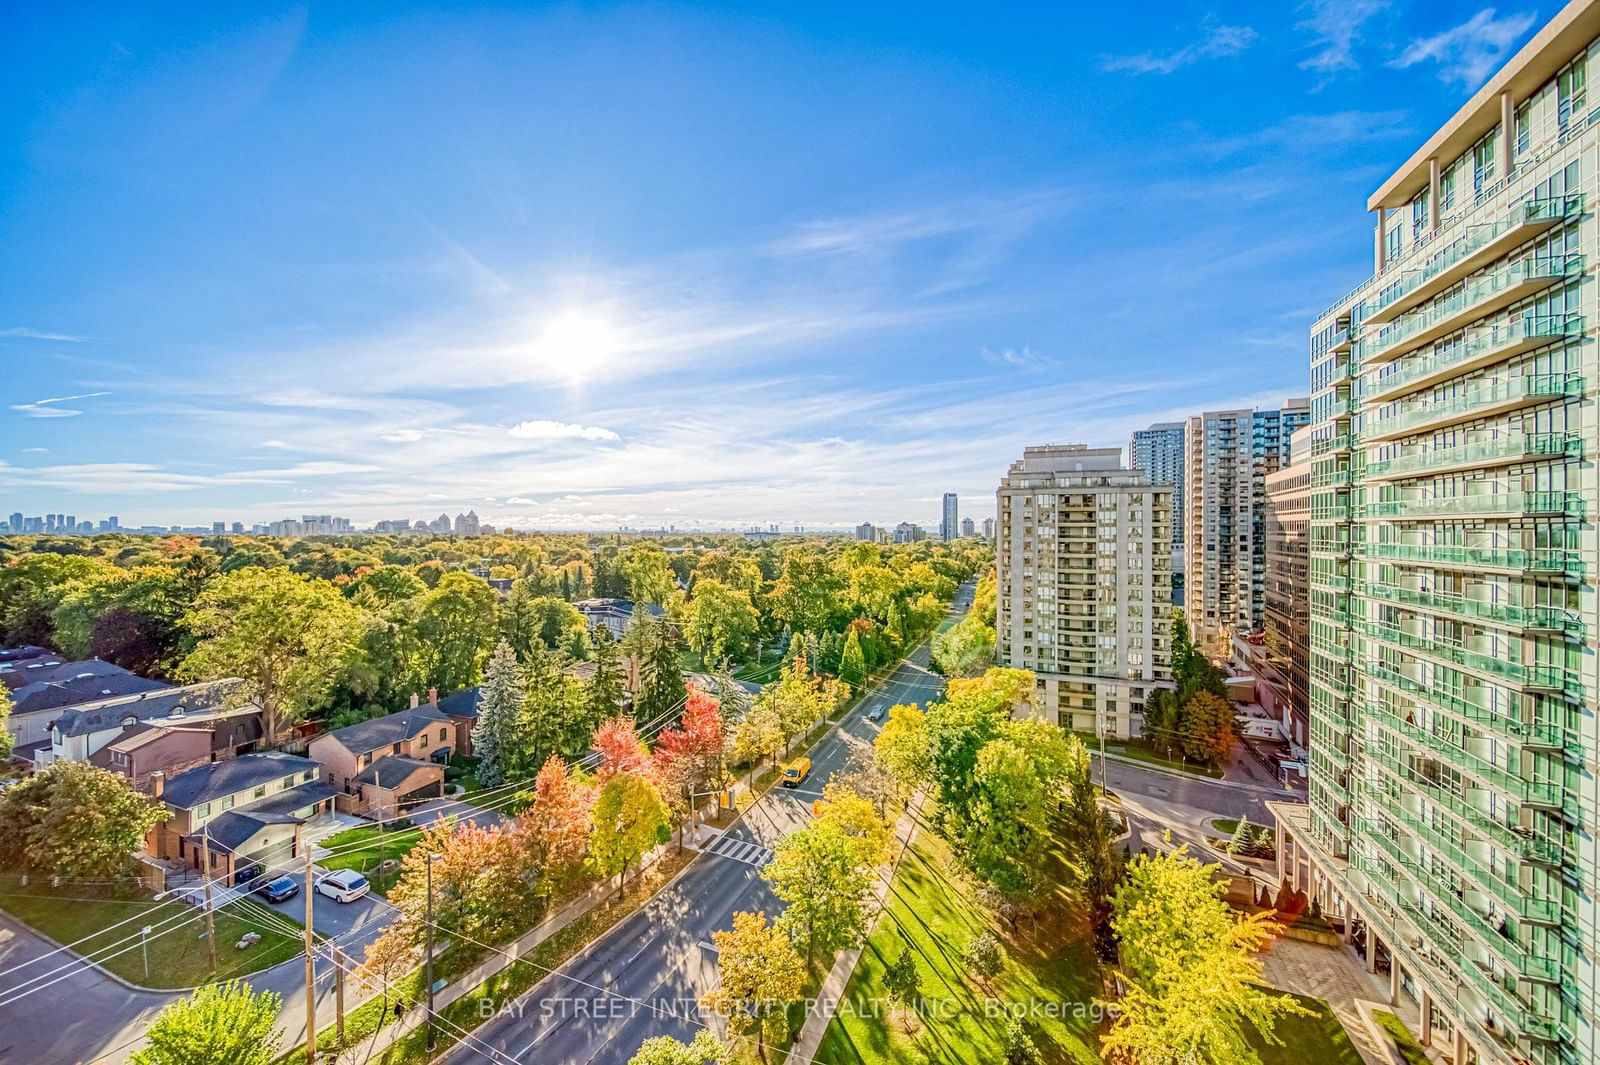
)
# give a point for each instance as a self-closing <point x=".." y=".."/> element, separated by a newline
<point x="422" y="741"/>
<point x="227" y="803"/>
<point x="260" y="792"/>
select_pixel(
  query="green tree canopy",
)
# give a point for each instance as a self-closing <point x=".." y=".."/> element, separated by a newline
<point x="218" y="1024"/>
<point x="74" y="819"/>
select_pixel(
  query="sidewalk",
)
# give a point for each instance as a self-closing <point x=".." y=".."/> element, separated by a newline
<point x="805" y="1047"/>
<point x="502" y="958"/>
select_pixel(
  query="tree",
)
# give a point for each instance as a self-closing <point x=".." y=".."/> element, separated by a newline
<point x="1209" y="728"/>
<point x="495" y="736"/>
<point x="484" y="883"/>
<point x="602" y="695"/>
<point x="456" y="625"/>
<point x="629" y="819"/>
<point x="661" y="685"/>
<point x="704" y="1049"/>
<point x="820" y="873"/>
<point x="688" y="760"/>
<point x="1089" y="831"/>
<point x="965" y="648"/>
<point x="720" y="621"/>
<point x="218" y="1024"/>
<point x="1019" y="1048"/>
<point x="555" y="827"/>
<point x="759" y="735"/>
<point x="807" y="594"/>
<point x="620" y="748"/>
<point x="649" y="574"/>
<point x="985" y="956"/>
<point x="852" y="663"/>
<point x="1005" y="836"/>
<point x="286" y="636"/>
<point x="902" y="747"/>
<point x="1162" y="716"/>
<point x="7" y="741"/>
<point x="761" y="975"/>
<point x="75" y="820"/>
<point x="901" y="979"/>
<point x="855" y="816"/>
<point x="1192" y="974"/>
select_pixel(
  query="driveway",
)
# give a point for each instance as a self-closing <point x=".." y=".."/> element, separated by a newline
<point x="349" y="922"/>
<point x="437" y="809"/>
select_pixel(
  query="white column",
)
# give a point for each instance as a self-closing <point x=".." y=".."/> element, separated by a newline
<point x="1508" y="133"/>
<point x="1372" y="950"/>
<point x="1380" y="246"/>
<point x="1426" y="1037"/>
<point x="1394" y="978"/>
<point x="1433" y="194"/>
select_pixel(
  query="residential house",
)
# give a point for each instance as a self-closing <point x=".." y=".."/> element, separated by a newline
<point x="147" y="748"/>
<point x="462" y="710"/>
<point x="415" y="743"/>
<point x="78" y="732"/>
<point x="614" y="614"/>
<point x="19" y="665"/>
<point x="54" y="685"/>
<point x="245" y="811"/>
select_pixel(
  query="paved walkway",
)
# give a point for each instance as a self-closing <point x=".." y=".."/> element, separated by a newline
<point x="1336" y="976"/>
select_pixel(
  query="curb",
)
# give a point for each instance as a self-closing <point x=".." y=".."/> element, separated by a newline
<point x="1238" y="785"/>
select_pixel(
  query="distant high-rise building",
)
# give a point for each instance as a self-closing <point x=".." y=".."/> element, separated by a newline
<point x="1285" y="651"/>
<point x="114" y="523"/>
<point x="988" y="529"/>
<point x="1084" y="594"/>
<point x="1158" y="452"/>
<point x="467" y="524"/>
<point x="907" y="532"/>
<point x="948" y="523"/>
<point x="1228" y="455"/>
<point x="16" y="521"/>
<point x="219" y="526"/>
<point x="238" y="526"/>
<point x="968" y="528"/>
<point x="865" y="531"/>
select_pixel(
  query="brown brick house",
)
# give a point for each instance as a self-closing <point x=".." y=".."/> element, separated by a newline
<point x="418" y="741"/>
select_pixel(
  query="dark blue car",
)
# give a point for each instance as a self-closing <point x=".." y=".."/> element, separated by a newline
<point x="285" y="887"/>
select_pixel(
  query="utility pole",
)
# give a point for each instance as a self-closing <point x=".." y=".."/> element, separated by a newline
<point x="428" y="960"/>
<point x="1104" y="791"/>
<point x="311" y="972"/>
<point x="338" y="994"/>
<point x="211" y="927"/>
<point x="144" y="944"/>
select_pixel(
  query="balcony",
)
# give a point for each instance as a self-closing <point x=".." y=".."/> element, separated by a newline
<point x="1475" y="248"/>
<point x="1330" y="444"/>
<point x="1516" y="897"/>
<point x="1480" y="348"/>
<point x="1478" y="298"/>
<point x="1523" y="675"/>
<point x="1507" y="781"/>
<point x="1509" y="559"/>
<point x="1544" y="793"/>
<point x="1479" y="504"/>
<point x="1499" y="452"/>
<point x="1510" y="836"/>
<point x="1510" y="615"/>
<point x="1482" y="401"/>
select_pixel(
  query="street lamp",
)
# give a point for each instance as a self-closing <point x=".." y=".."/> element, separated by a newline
<point x="144" y="946"/>
<point x="428" y="961"/>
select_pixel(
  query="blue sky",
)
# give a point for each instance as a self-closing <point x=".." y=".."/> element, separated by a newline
<point x="590" y="264"/>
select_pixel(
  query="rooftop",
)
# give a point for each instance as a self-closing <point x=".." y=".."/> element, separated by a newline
<point x="218" y="779"/>
<point x="390" y="729"/>
<point x="52" y="684"/>
<point x="193" y="702"/>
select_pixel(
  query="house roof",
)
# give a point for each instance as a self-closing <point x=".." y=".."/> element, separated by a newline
<point x="145" y="733"/>
<point x="204" y="783"/>
<point x="22" y="665"/>
<point x="296" y="798"/>
<point x="387" y="730"/>
<point x="392" y="771"/>
<point x="71" y="683"/>
<point x="226" y="832"/>
<point x="17" y="654"/>
<point x="463" y="703"/>
<point x="623" y="607"/>
<point x="195" y="701"/>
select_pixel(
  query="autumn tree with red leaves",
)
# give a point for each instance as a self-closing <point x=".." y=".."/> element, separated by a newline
<point x="554" y="829"/>
<point x="621" y="750"/>
<point x="688" y="760"/>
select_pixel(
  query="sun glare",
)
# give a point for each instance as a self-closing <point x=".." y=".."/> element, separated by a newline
<point x="578" y="344"/>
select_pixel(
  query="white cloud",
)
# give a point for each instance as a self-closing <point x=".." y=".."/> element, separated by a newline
<point x="274" y="443"/>
<point x="521" y="501"/>
<point x="1024" y="358"/>
<point x="403" y="436"/>
<point x="42" y="408"/>
<point x="543" y="429"/>
<point x="1217" y="41"/>
<point x="27" y="333"/>
<point x="1335" y="27"/>
<point x="36" y="450"/>
<point x="1467" y="54"/>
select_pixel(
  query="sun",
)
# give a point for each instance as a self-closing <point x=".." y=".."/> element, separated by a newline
<point x="578" y="344"/>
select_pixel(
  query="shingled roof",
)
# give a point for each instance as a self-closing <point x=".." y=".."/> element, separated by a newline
<point x="385" y="731"/>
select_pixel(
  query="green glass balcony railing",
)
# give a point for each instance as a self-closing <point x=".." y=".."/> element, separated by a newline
<point x="1522" y="274"/>
<point x="1331" y="580"/>
<point x="1513" y="784"/>
<point x="1532" y="733"/>
<point x="1526" y="618"/>
<point x="1515" y="897"/>
<point x="1521" y="674"/>
<point x="1333" y="479"/>
<point x="1525" y="504"/>
<point x="1509" y="950"/>
<point x="1498" y="394"/>
<point x="1329" y="444"/>
<point x="1506" y="833"/>
<point x="1528" y="560"/>
<point x="1475" y="239"/>
<point x="1532" y="445"/>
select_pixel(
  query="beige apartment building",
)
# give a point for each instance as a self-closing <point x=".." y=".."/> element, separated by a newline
<point x="1453" y="799"/>
<point x="1084" y="585"/>
<point x="1285" y="670"/>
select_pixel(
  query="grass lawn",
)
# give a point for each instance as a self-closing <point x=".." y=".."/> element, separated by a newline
<point x="177" y="957"/>
<point x="1226" y="826"/>
<point x="1319" y="1039"/>
<point x="1410" y="1050"/>
<point x="1141" y="753"/>
<point x="1050" y="971"/>
<point x="377" y="846"/>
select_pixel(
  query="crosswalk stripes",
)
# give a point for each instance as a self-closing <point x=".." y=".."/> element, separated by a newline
<point x="740" y="850"/>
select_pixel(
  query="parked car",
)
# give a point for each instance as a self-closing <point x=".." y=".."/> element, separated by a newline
<point x="345" y="885"/>
<point x="246" y="873"/>
<point x="285" y="887"/>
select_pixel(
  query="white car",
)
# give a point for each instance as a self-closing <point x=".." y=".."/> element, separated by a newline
<point x="345" y="885"/>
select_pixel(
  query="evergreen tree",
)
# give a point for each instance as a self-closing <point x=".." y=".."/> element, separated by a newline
<point x="495" y="736"/>
<point x="661" y="684"/>
<point x="852" y="663"/>
<point x="602" y="696"/>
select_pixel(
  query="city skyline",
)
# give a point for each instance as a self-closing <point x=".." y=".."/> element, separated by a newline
<point x="486" y="310"/>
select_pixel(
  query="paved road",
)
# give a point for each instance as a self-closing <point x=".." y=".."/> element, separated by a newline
<point x="661" y="956"/>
